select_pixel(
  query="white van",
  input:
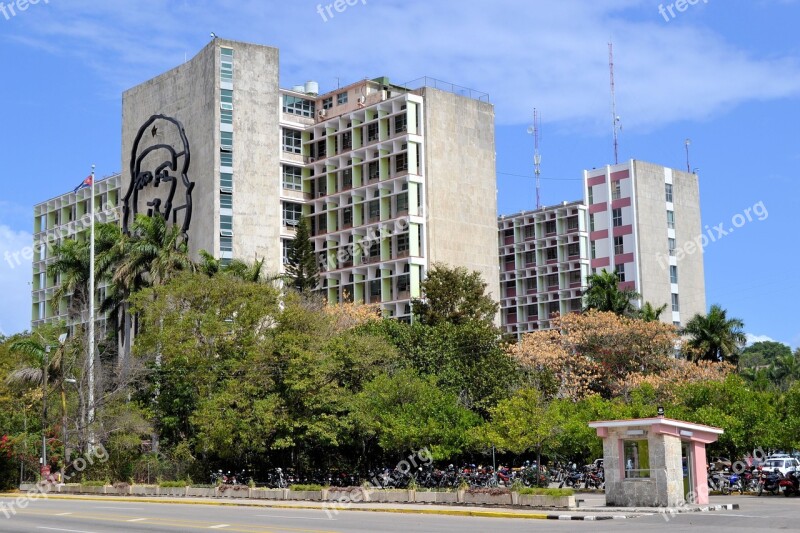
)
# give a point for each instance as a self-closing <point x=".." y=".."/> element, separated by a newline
<point x="783" y="464"/>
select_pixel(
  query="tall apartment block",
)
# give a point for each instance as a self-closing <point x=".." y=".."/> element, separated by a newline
<point x="392" y="179"/>
<point x="544" y="264"/>
<point x="639" y="215"/>
<point x="62" y="217"/>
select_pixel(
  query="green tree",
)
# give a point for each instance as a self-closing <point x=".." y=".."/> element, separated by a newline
<point x="604" y="294"/>
<point x="211" y="266"/>
<point x="522" y="423"/>
<point x="715" y="337"/>
<point x="405" y="411"/>
<point x="648" y="313"/>
<point x="762" y="353"/>
<point x="785" y="371"/>
<point x="454" y="295"/>
<point x="303" y="268"/>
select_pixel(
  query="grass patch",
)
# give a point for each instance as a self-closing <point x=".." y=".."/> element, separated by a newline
<point x="556" y="493"/>
<point x="305" y="487"/>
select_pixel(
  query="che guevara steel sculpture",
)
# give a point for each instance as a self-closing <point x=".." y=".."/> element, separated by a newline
<point x="148" y="167"/>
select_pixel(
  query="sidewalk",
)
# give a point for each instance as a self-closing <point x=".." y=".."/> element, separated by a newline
<point x="592" y="507"/>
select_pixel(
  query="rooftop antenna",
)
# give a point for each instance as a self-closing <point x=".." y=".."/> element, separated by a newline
<point x="614" y="117"/>
<point x="687" y="142"/>
<point x="537" y="158"/>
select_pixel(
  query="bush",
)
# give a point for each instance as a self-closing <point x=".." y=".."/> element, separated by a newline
<point x="546" y="492"/>
<point x="172" y="484"/>
<point x="305" y="487"/>
<point x="492" y="491"/>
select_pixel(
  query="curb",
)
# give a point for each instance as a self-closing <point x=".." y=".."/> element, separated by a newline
<point x="441" y="512"/>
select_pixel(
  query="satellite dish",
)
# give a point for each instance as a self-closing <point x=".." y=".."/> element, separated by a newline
<point x="530" y="129"/>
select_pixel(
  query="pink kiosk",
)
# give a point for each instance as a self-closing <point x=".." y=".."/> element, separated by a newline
<point x="655" y="462"/>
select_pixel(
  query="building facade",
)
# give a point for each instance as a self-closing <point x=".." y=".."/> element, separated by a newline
<point x="62" y="217"/>
<point x="391" y="179"/>
<point x="640" y="216"/>
<point x="544" y="264"/>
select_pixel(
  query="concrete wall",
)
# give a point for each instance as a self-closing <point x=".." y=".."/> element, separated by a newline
<point x="653" y="247"/>
<point x="187" y="93"/>
<point x="461" y="194"/>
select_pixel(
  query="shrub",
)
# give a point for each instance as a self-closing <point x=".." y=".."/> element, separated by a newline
<point x="546" y="492"/>
<point x="172" y="484"/>
<point x="96" y="483"/>
<point x="312" y="486"/>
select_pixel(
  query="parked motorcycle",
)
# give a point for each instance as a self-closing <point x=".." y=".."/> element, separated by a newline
<point x="790" y="485"/>
<point x="770" y="482"/>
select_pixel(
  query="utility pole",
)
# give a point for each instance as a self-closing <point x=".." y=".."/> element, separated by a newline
<point x="687" y="142"/>
<point x="614" y="117"/>
<point x="44" y="407"/>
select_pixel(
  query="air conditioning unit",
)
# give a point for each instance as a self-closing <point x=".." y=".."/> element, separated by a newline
<point x="321" y="113"/>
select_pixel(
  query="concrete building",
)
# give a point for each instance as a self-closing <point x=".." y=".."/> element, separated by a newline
<point x="62" y="217"/>
<point x="544" y="263"/>
<point x="391" y="178"/>
<point x="641" y="217"/>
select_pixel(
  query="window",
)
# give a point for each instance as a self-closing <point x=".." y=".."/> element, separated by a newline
<point x="226" y="116"/>
<point x="575" y="276"/>
<point x="637" y="459"/>
<point x="530" y="232"/>
<point x="226" y="64"/>
<point x="341" y="98"/>
<point x="671" y="219"/>
<point x="400" y="123"/>
<point x="402" y="203"/>
<point x="668" y="187"/>
<point x="550" y="226"/>
<point x="401" y="162"/>
<point x="226" y="243"/>
<point x="226" y="140"/>
<point x="676" y="303"/>
<point x="226" y="159"/>
<point x="572" y="223"/>
<point x="673" y="274"/>
<point x="286" y="246"/>
<point x="552" y="254"/>
<point x="374" y="210"/>
<point x="671" y="244"/>
<point x="620" y="273"/>
<point x="403" y="243"/>
<point x="226" y="181"/>
<point x="552" y="281"/>
<point x="225" y="201"/>
<point x="372" y="132"/>
<point x="347" y="179"/>
<point x="591" y="195"/>
<point x="327" y="103"/>
<point x="530" y="258"/>
<point x="403" y="283"/>
<point x="373" y="170"/>
<point x="226" y="99"/>
<point x="226" y="223"/>
<point x="292" y="213"/>
<point x="292" y="141"/>
<point x="591" y="223"/>
<point x="347" y="216"/>
<point x="530" y="286"/>
<point x="574" y="249"/>
<point x="298" y="106"/>
<point x="322" y="148"/>
<point x="347" y="140"/>
<point x="292" y="178"/>
<point x="616" y="216"/>
<point x="594" y="250"/>
<point x="616" y="190"/>
<point x="618" y="246"/>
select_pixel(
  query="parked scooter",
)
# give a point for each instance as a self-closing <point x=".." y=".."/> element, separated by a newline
<point x="790" y="485"/>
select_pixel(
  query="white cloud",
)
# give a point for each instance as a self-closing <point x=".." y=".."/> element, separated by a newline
<point x="752" y="339"/>
<point x="15" y="275"/>
<point x="551" y="55"/>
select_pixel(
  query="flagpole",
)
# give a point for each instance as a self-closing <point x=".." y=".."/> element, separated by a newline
<point x="90" y="418"/>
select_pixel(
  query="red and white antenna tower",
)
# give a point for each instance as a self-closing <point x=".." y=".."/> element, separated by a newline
<point x="614" y="117"/>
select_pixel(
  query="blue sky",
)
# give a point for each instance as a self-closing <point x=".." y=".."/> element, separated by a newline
<point x="725" y="74"/>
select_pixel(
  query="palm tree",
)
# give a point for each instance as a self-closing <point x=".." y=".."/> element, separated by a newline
<point x="785" y="370"/>
<point x="252" y="272"/>
<point x="648" y="313"/>
<point x="715" y="337"/>
<point x="604" y="294"/>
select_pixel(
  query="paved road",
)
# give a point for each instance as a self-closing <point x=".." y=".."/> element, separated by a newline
<point x="79" y="516"/>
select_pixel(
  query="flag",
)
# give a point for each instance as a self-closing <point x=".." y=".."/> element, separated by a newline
<point x="86" y="183"/>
